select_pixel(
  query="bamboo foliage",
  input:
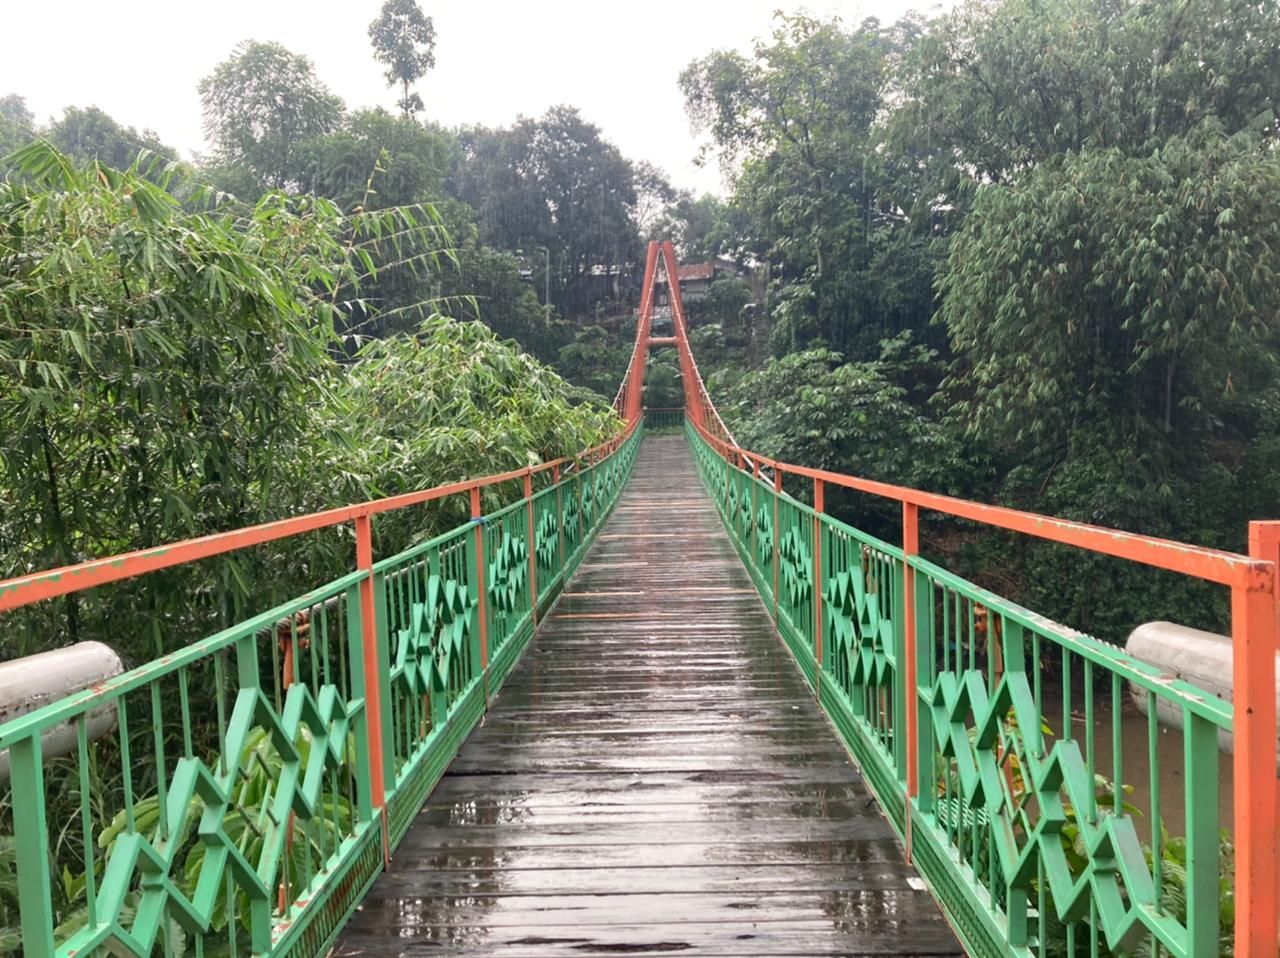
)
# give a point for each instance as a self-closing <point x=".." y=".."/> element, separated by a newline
<point x="170" y="367"/>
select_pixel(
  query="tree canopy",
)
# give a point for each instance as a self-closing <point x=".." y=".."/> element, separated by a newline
<point x="90" y="134"/>
<point x="554" y="182"/>
<point x="1007" y="84"/>
<point x="1072" y="204"/>
<point x="1107" y="284"/>
<point x="1036" y="237"/>
<point x="17" y="123"/>
<point x="404" y="41"/>
<point x="261" y="105"/>
<point x="798" y="120"/>
<point x="172" y="373"/>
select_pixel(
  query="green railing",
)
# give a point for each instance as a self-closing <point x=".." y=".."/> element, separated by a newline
<point x="1039" y="827"/>
<point x="664" y="418"/>
<point x="307" y="738"/>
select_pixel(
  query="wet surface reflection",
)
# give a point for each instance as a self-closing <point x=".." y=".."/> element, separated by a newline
<point x="654" y="779"/>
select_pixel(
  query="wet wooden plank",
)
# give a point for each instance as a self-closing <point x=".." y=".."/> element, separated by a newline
<point x="798" y="862"/>
<point x="654" y="779"/>
<point x="736" y="937"/>
<point x="487" y="878"/>
<point x="586" y="812"/>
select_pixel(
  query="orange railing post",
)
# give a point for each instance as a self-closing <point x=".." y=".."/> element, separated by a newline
<point x="1255" y="632"/>
<point x="482" y="602"/>
<point x="373" y="675"/>
<point x="819" y="506"/>
<point x="910" y="548"/>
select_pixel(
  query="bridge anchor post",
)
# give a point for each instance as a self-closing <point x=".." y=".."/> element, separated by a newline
<point x="1255" y="633"/>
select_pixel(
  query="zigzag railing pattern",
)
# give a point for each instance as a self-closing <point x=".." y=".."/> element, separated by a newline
<point x="993" y="738"/>
<point x="311" y="734"/>
<point x="234" y="844"/>
<point x="1039" y="819"/>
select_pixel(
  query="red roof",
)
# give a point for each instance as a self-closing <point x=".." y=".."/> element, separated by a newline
<point x="696" y="271"/>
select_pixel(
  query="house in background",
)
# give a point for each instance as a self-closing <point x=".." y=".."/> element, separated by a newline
<point x="696" y="279"/>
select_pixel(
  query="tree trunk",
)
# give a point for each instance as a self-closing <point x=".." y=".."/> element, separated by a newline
<point x="1168" y="394"/>
<point x="59" y="528"/>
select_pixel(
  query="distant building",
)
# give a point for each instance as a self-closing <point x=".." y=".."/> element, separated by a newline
<point x="605" y="282"/>
<point x="696" y="279"/>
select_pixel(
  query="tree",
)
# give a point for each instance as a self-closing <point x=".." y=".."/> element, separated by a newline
<point x="1001" y="85"/>
<point x="554" y="182"/>
<point x="595" y="360"/>
<point x="261" y="105"/>
<point x="147" y="398"/>
<point x="815" y="408"/>
<point x="372" y="157"/>
<point x="377" y="160"/>
<point x="707" y="227"/>
<point x="439" y="389"/>
<point x="654" y="196"/>
<point x="448" y="402"/>
<point x="404" y="40"/>
<point x="726" y="298"/>
<point x="487" y="285"/>
<point x="17" y="124"/>
<point x="88" y="133"/>
<point x="1103" y="287"/>
<point x="819" y="200"/>
<point x="14" y="109"/>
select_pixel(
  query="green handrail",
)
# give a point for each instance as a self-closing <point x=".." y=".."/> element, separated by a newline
<point x="310" y="735"/>
<point x="1024" y="833"/>
<point x="664" y="418"/>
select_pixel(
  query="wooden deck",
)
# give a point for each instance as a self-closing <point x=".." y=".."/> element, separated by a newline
<point x="654" y="779"/>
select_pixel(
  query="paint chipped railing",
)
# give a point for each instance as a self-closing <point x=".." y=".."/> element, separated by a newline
<point x="993" y="737"/>
<point x="263" y="775"/>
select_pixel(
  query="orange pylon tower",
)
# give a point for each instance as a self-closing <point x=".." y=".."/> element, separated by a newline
<point x="660" y="262"/>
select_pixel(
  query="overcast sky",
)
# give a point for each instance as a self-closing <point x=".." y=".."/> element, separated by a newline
<point x="140" y="61"/>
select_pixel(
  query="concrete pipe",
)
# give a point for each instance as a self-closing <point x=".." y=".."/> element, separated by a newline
<point x="30" y="683"/>
<point x="1201" y="658"/>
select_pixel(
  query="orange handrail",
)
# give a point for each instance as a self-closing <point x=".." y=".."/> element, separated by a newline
<point x="1213" y="565"/>
<point x="39" y="586"/>
<point x="1255" y="631"/>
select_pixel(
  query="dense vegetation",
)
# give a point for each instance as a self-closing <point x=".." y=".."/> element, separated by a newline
<point x="172" y="372"/>
<point x="186" y="349"/>
<point x="1020" y="251"/>
<point x="1024" y="252"/>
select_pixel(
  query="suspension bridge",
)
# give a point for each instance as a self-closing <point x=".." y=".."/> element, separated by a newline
<point x="659" y="702"/>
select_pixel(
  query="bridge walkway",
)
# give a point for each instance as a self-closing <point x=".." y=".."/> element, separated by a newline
<point x="654" y="779"/>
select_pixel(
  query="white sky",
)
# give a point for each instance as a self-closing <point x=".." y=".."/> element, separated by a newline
<point x="140" y="60"/>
